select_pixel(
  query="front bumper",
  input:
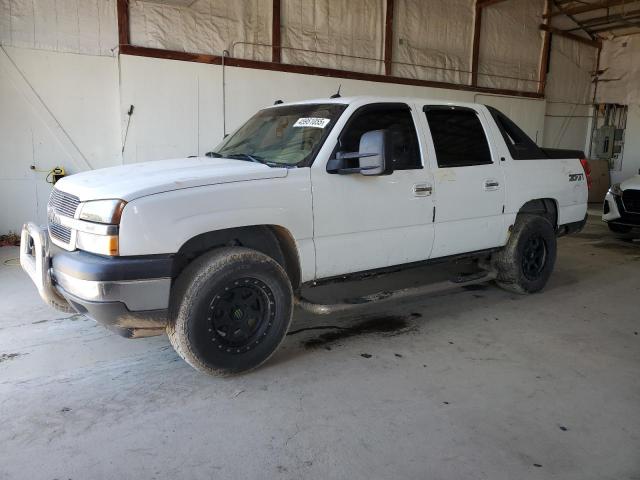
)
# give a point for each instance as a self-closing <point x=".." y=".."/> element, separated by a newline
<point x="615" y="212"/>
<point x="127" y="295"/>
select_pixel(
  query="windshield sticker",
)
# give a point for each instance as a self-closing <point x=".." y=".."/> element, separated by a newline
<point x="313" y="122"/>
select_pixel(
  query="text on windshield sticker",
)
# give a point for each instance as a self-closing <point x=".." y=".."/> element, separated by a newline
<point x="313" y="122"/>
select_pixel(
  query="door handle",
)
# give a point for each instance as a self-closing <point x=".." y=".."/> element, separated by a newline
<point x="422" y="190"/>
<point x="491" y="184"/>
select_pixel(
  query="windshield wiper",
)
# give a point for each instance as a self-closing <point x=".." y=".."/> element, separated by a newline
<point x="247" y="157"/>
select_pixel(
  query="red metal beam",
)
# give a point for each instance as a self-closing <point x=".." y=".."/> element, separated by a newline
<point x="123" y="22"/>
<point x="276" y="52"/>
<point x="546" y="50"/>
<point x="477" y="27"/>
<point x="307" y="70"/>
<point x="388" y="38"/>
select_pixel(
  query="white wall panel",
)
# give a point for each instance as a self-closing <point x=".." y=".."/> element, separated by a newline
<point x="76" y="101"/>
<point x="85" y="26"/>
<point x="422" y="38"/>
<point x="571" y="68"/>
<point x="620" y="58"/>
<point x="349" y="28"/>
<point x="510" y="45"/>
<point x="569" y="93"/>
<point x="204" y="26"/>
<point x="631" y="153"/>
<point x="178" y="108"/>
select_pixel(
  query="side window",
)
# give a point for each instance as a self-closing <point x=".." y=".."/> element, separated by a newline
<point x="458" y="137"/>
<point x="402" y="132"/>
<point x="519" y="144"/>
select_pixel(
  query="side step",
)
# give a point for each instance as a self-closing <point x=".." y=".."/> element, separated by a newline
<point x="386" y="296"/>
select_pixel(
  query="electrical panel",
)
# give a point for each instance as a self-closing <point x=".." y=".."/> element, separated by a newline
<point x="608" y="134"/>
<point x="604" y="141"/>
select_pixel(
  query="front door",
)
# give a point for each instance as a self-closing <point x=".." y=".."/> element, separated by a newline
<point x="469" y="188"/>
<point x="368" y="222"/>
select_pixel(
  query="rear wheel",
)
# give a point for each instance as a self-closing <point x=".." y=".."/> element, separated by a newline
<point x="619" y="228"/>
<point x="525" y="264"/>
<point x="231" y="309"/>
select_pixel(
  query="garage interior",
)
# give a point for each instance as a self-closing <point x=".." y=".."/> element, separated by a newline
<point x="475" y="383"/>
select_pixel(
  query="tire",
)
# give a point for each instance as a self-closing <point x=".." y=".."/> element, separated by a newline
<point x="525" y="264"/>
<point x="230" y="310"/>
<point x="615" y="228"/>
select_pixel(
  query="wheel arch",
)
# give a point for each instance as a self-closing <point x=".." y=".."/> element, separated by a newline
<point x="274" y="241"/>
<point x="544" y="207"/>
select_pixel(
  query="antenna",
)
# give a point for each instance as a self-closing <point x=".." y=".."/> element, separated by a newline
<point x="278" y="102"/>
<point x="337" y="94"/>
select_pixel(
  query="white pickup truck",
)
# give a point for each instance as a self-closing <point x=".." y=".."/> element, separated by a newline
<point x="214" y="250"/>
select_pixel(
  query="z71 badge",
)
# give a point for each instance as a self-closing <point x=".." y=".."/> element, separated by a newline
<point x="576" y="177"/>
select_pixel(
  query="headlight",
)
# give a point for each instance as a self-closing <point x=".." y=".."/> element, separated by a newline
<point x="101" y="235"/>
<point x="616" y="190"/>
<point x="102" y="211"/>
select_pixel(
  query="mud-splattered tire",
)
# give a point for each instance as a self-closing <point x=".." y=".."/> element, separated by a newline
<point x="615" y="228"/>
<point x="525" y="264"/>
<point x="230" y="310"/>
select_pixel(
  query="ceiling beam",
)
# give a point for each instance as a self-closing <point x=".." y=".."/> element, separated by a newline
<point x="599" y="21"/>
<point x="572" y="36"/>
<point x="616" y="26"/>
<point x="601" y="4"/>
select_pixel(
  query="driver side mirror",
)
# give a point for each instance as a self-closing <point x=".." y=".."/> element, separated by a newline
<point x="372" y="158"/>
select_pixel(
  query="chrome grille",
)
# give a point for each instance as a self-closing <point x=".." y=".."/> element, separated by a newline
<point x="63" y="203"/>
<point x="60" y="233"/>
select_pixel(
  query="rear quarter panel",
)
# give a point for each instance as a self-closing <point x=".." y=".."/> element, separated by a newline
<point x="562" y="180"/>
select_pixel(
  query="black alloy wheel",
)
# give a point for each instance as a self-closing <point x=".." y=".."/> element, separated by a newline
<point x="241" y="314"/>
<point x="534" y="257"/>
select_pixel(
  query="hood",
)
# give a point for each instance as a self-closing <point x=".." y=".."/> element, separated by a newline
<point x="129" y="182"/>
<point x="632" y="183"/>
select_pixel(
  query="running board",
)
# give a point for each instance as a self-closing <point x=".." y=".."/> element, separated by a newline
<point x="387" y="296"/>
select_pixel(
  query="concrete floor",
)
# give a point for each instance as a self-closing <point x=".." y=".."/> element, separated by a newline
<point x="477" y="384"/>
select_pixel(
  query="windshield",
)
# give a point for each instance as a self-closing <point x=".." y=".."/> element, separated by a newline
<point x="287" y="136"/>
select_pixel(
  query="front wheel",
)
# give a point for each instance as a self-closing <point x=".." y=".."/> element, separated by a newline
<point x="525" y="264"/>
<point x="230" y="310"/>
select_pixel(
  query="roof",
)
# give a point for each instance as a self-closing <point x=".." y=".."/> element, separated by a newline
<point x="366" y="99"/>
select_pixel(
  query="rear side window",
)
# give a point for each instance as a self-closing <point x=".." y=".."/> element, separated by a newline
<point x="397" y="119"/>
<point x="458" y="136"/>
<point x="520" y="145"/>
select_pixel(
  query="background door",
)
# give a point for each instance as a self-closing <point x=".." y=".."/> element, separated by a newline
<point x="363" y="223"/>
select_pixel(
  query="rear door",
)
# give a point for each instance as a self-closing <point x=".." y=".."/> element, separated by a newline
<point x="469" y="186"/>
